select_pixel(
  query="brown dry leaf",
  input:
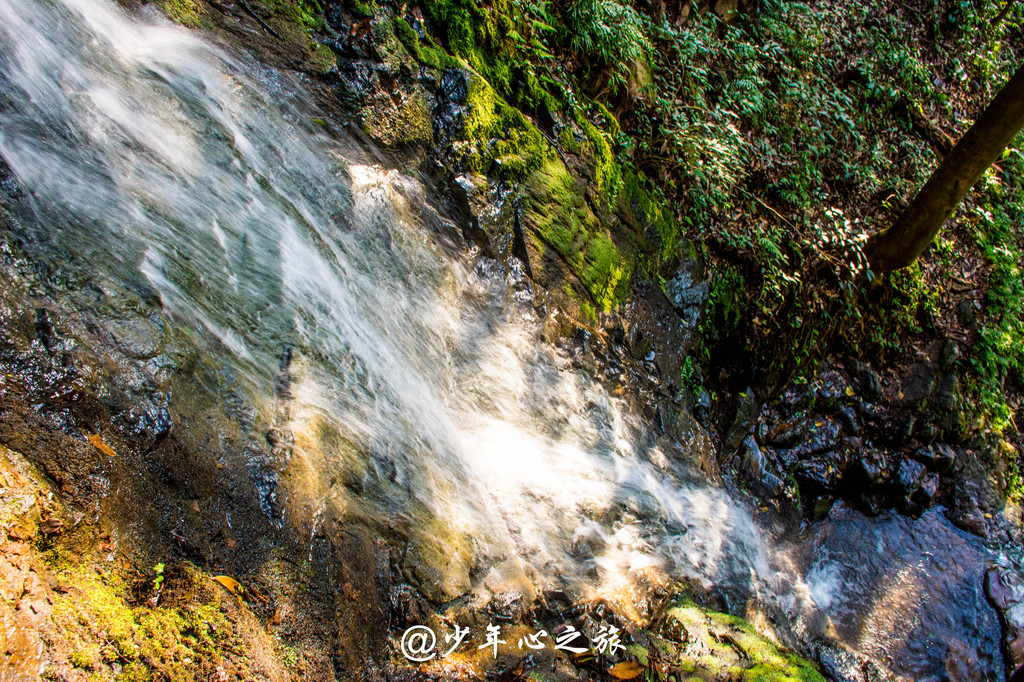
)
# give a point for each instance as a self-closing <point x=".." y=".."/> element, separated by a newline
<point x="627" y="670"/>
<point x="51" y="525"/>
<point x="98" y="443"/>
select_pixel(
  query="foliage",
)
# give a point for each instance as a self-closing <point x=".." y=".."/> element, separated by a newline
<point x="998" y="355"/>
<point x="615" y="34"/>
<point x="779" y="139"/>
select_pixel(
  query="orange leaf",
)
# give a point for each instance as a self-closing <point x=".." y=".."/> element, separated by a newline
<point x="626" y="670"/>
<point x="231" y="585"/>
<point x="98" y="443"/>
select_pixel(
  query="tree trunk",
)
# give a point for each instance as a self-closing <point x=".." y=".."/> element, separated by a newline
<point x="901" y="244"/>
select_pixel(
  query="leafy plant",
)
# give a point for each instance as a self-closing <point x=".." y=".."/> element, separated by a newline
<point x="614" y="33"/>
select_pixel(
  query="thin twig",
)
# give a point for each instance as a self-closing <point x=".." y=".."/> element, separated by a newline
<point x="257" y="18"/>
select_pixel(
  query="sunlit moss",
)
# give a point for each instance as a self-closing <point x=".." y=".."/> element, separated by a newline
<point x="184" y="12"/>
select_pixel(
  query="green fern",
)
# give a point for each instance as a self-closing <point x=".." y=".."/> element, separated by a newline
<point x="614" y="33"/>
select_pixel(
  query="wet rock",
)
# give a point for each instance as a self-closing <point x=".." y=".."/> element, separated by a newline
<point x="283" y="378"/>
<point x="357" y="78"/>
<point x="20" y="648"/>
<point x="868" y="573"/>
<point x="746" y="415"/>
<point x="789" y="433"/>
<point x="871" y="468"/>
<point x="919" y="381"/>
<point x="866" y="381"/>
<point x="753" y="458"/>
<point x="654" y="330"/>
<point x="1005" y="590"/>
<point x="702" y="406"/>
<point x="439" y="566"/>
<point x="848" y="418"/>
<point x="44" y="331"/>
<point x="454" y="86"/>
<point x="818" y="474"/>
<point x="908" y="476"/>
<point x="688" y="289"/>
<point x="830" y="384"/>
<point x="362" y="596"/>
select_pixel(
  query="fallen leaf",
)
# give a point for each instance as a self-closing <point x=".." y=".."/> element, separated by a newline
<point x="627" y="670"/>
<point x="231" y="585"/>
<point x="50" y="526"/>
<point x="98" y="443"/>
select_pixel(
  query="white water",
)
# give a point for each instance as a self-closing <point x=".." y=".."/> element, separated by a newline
<point x="416" y="372"/>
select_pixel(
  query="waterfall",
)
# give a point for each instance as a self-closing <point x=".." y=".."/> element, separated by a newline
<point x="407" y="381"/>
<point x="416" y="373"/>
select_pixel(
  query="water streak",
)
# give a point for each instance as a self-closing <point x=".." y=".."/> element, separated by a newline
<point x="154" y="154"/>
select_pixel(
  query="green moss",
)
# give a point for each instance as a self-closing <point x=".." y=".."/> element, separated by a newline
<point x="406" y="123"/>
<point x="360" y="9"/>
<point x="184" y="640"/>
<point x="501" y="141"/>
<point x="184" y="12"/>
<point x="134" y="672"/>
<point x="86" y="658"/>
<point x="560" y="215"/>
<point x="718" y="643"/>
<point x="647" y="206"/>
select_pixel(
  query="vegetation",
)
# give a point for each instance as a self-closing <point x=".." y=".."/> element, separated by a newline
<point x="778" y="139"/>
<point x="901" y="244"/>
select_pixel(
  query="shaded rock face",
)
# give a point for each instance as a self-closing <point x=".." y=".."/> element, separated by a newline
<point x="844" y="434"/>
<point x="910" y="588"/>
<point x="115" y="409"/>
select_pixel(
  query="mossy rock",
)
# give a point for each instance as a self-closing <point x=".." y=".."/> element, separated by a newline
<point x="711" y="645"/>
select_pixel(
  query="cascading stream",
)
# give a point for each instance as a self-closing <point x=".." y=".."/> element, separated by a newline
<point x="154" y="154"/>
<point x="421" y="398"/>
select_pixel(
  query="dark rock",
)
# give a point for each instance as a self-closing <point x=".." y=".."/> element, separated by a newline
<point x="870" y="469"/>
<point x="454" y="86"/>
<point x="818" y="474"/>
<point x="949" y="355"/>
<point x="44" y="331"/>
<point x="656" y="333"/>
<point x="361" y="578"/>
<point x="830" y="384"/>
<point x="927" y="431"/>
<point x="283" y="378"/>
<point x="746" y="415"/>
<point x="688" y="289"/>
<point x="449" y="120"/>
<point x="702" y="406"/>
<point x="789" y="433"/>
<point x="866" y="381"/>
<point x="945" y="457"/>
<point x="945" y="393"/>
<point x="753" y="458"/>
<point x="848" y="416"/>
<point x="919" y="381"/>
<point x="938" y="457"/>
<point x="770" y="485"/>
<point x="929" y="487"/>
<point x="356" y="79"/>
<point x="796" y="397"/>
<point x="908" y="476"/>
<point x="1006" y="593"/>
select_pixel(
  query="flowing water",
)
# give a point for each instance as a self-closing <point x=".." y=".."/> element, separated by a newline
<point x="421" y="396"/>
